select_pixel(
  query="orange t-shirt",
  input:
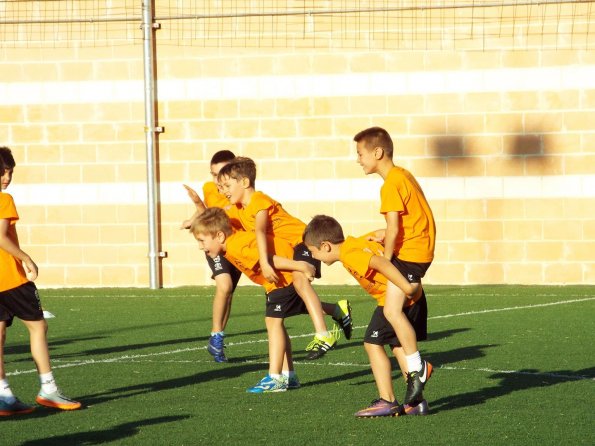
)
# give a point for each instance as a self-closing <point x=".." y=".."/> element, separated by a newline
<point x="417" y="232"/>
<point x="12" y="273"/>
<point x="355" y="254"/>
<point x="281" y="223"/>
<point x="242" y="252"/>
<point x="215" y="199"/>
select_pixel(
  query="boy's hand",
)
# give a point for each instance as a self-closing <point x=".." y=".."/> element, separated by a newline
<point x="309" y="270"/>
<point x="377" y="236"/>
<point x="30" y="268"/>
<point x="192" y="194"/>
<point x="269" y="272"/>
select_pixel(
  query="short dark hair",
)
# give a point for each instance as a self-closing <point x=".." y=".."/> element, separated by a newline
<point x="323" y="228"/>
<point x="240" y="167"/>
<point x="376" y="137"/>
<point x="222" y="156"/>
<point x="7" y="158"/>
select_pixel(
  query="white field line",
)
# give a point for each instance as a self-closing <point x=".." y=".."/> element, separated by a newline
<point x="57" y="364"/>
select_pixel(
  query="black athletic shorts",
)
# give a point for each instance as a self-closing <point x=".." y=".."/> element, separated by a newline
<point x="301" y="252"/>
<point x="284" y="302"/>
<point x="220" y="265"/>
<point x="22" y="302"/>
<point x="380" y="331"/>
<point x="412" y="271"/>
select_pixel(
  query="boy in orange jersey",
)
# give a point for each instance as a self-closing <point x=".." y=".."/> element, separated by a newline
<point x="226" y="275"/>
<point x="215" y="235"/>
<point x="260" y="214"/>
<point x="364" y="259"/>
<point x="19" y="298"/>
<point x="409" y="236"/>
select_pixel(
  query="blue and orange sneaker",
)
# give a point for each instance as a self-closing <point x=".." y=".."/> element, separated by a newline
<point x="14" y="408"/>
<point x="216" y="346"/>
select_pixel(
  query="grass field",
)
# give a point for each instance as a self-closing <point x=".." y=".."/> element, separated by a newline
<point x="513" y="365"/>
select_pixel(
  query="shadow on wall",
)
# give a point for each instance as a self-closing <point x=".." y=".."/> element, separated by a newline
<point x="468" y="153"/>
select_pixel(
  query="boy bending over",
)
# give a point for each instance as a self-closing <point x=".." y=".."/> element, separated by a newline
<point x="213" y="231"/>
<point x="364" y="260"/>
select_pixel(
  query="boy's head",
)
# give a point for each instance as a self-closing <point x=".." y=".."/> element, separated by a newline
<point x="321" y="236"/>
<point x="211" y="229"/>
<point x="236" y="177"/>
<point x="220" y="159"/>
<point x="373" y="145"/>
<point x="7" y="164"/>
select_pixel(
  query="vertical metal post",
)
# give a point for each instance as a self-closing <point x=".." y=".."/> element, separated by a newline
<point x="150" y="138"/>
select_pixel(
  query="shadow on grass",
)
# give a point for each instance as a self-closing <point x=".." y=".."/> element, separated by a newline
<point x="509" y="382"/>
<point x="119" y="432"/>
<point x="460" y="354"/>
<point x="220" y="373"/>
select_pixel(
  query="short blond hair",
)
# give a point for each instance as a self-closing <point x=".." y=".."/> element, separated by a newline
<point x="211" y="221"/>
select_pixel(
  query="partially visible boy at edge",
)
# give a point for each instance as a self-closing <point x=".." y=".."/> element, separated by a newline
<point x="19" y="298"/>
<point x="409" y="236"/>
<point x="226" y="275"/>
<point x="364" y="260"/>
<point x="215" y="235"/>
<point x="260" y="214"/>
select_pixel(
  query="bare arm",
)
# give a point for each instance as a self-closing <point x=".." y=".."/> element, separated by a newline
<point x="7" y="244"/>
<point x="261" y="241"/>
<point x="392" y="231"/>
<point x="200" y="206"/>
<point x="388" y="270"/>
<point x="285" y="264"/>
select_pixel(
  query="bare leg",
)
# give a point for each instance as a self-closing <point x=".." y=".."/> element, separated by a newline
<point x="222" y="302"/>
<point x="393" y="311"/>
<point x="277" y="336"/>
<point x="382" y="370"/>
<point x="2" y="341"/>
<point x="39" y="344"/>
<point x="306" y="292"/>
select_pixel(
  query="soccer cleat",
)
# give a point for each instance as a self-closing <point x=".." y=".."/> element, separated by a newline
<point x="421" y="408"/>
<point x="15" y="408"/>
<point x="416" y="382"/>
<point x="379" y="408"/>
<point x="345" y="321"/>
<point x="269" y="384"/>
<point x="56" y="400"/>
<point x="293" y="383"/>
<point x="216" y="346"/>
<point x="321" y="344"/>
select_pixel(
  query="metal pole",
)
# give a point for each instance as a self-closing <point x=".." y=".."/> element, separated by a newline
<point x="150" y="138"/>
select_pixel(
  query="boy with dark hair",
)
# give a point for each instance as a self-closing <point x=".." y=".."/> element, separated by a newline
<point x="409" y="237"/>
<point x="19" y="298"/>
<point x="226" y="275"/>
<point x="215" y="235"/>
<point x="364" y="259"/>
<point x="260" y="214"/>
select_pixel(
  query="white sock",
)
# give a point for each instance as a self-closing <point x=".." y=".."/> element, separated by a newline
<point x="413" y="362"/>
<point x="213" y="333"/>
<point x="48" y="383"/>
<point x="6" y="392"/>
<point x="323" y="334"/>
<point x="288" y="373"/>
<point x="275" y="376"/>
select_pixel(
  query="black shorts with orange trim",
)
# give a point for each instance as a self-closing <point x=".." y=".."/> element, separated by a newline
<point x="220" y="265"/>
<point x="412" y="271"/>
<point x="301" y="252"/>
